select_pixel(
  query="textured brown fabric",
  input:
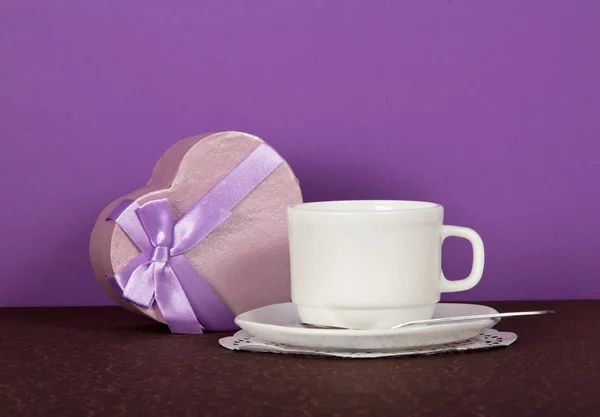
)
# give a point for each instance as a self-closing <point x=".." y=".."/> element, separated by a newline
<point x="109" y="362"/>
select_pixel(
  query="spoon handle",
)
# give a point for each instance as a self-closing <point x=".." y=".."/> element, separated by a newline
<point x="474" y="317"/>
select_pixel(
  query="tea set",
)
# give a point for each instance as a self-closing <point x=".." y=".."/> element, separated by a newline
<point x="366" y="281"/>
<point x="220" y="239"/>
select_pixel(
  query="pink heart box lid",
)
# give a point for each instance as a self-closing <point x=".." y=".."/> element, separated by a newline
<point x="245" y="260"/>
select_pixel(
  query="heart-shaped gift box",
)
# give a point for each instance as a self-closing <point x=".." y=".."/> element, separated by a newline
<point x="205" y="239"/>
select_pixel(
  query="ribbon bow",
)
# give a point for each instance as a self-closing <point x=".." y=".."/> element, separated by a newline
<point x="161" y="273"/>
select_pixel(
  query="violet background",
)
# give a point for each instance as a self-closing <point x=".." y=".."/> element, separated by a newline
<point x="490" y="108"/>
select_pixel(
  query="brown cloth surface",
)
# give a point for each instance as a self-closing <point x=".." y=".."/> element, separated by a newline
<point x="109" y="362"/>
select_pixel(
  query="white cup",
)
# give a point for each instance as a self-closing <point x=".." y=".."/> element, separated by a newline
<point x="372" y="264"/>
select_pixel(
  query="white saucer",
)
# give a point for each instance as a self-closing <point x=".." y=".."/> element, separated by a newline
<point x="279" y="323"/>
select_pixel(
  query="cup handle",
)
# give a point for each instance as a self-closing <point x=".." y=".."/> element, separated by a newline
<point x="478" y="259"/>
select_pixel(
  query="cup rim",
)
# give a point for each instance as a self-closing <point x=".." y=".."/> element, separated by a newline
<point x="391" y="206"/>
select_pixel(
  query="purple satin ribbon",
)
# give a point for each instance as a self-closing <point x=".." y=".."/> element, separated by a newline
<point x="161" y="274"/>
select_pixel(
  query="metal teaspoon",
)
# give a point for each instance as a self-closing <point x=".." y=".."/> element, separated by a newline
<point x="447" y="319"/>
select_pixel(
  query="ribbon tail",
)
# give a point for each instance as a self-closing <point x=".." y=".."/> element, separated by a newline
<point x="174" y="304"/>
<point x="208" y="307"/>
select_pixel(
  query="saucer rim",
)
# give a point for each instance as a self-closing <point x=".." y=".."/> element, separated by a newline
<point x="244" y="322"/>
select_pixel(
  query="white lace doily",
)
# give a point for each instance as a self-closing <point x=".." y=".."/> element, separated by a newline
<point x="486" y="340"/>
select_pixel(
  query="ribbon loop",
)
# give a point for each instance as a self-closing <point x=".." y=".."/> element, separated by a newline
<point x="156" y="218"/>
